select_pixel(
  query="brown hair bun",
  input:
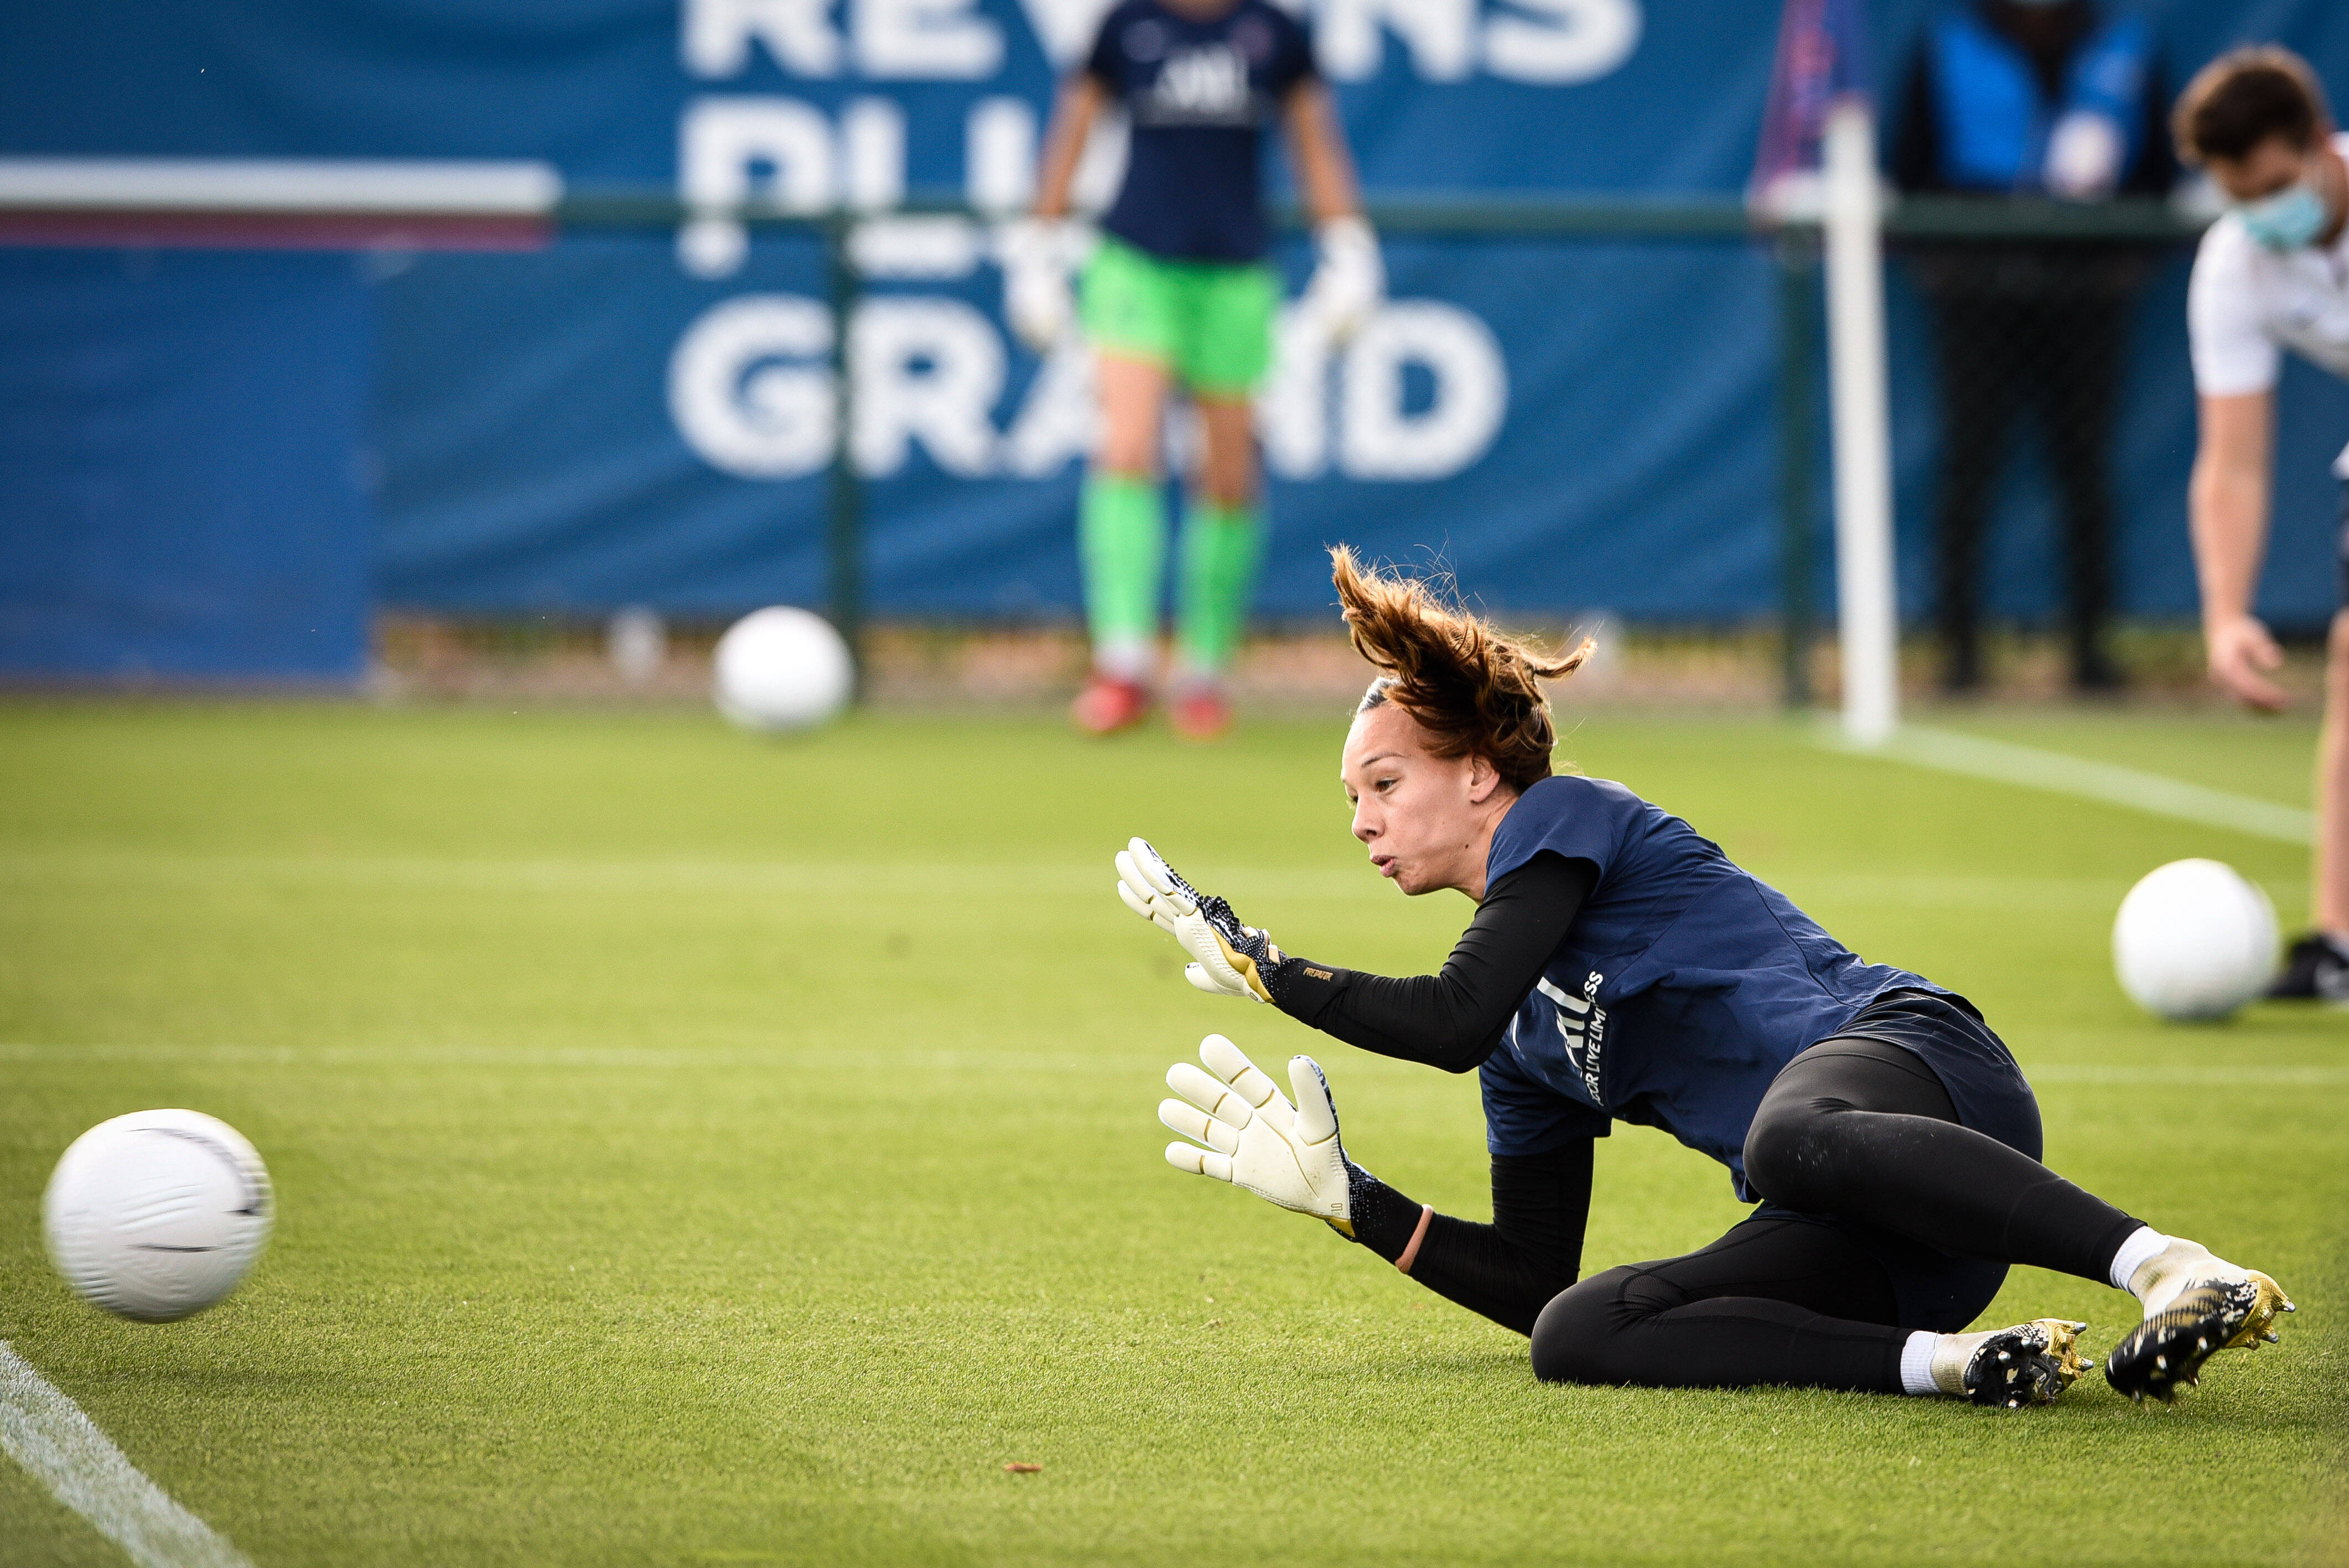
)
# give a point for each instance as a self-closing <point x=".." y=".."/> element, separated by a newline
<point x="1476" y="691"/>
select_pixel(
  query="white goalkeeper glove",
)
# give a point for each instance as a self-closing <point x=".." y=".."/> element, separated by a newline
<point x="1037" y="255"/>
<point x="1348" y="279"/>
<point x="1232" y="958"/>
<point x="1286" y="1154"/>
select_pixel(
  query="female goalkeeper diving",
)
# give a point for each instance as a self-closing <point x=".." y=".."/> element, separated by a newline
<point x="1618" y="966"/>
<point x="1177" y="291"/>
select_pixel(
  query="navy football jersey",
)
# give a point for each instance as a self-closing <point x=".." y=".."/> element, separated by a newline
<point x="1683" y="986"/>
<point x="1200" y="94"/>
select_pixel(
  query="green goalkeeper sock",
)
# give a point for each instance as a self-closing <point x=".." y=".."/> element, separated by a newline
<point x="1220" y="546"/>
<point x="1121" y="538"/>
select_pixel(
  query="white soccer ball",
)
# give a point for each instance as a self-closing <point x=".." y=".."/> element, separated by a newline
<point x="2194" y="940"/>
<point x="157" y="1215"/>
<point x="782" y="668"/>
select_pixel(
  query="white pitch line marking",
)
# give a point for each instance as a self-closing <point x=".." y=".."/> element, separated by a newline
<point x="2004" y="762"/>
<point x="682" y="1058"/>
<point x="891" y="878"/>
<point x="591" y="1058"/>
<point x="2242" y="1075"/>
<point x="49" y="1435"/>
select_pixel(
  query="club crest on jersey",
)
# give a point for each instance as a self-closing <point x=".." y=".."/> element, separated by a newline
<point x="1582" y="1026"/>
<point x="1204" y="86"/>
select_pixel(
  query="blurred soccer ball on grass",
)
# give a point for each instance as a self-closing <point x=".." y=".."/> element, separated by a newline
<point x="782" y="668"/>
<point x="157" y="1215"/>
<point x="2194" y="939"/>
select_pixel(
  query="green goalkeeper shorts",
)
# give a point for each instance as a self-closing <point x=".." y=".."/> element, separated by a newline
<point x="1208" y="323"/>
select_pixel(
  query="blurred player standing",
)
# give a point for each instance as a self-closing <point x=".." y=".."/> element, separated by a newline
<point x="1178" y="292"/>
<point x="2271" y="274"/>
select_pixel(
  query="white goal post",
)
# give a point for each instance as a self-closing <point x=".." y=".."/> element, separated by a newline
<point x="1867" y="621"/>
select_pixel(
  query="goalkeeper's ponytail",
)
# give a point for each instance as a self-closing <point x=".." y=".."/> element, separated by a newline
<point x="1476" y="691"/>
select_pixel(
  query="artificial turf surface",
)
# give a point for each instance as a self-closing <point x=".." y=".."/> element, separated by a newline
<point x="696" y="1149"/>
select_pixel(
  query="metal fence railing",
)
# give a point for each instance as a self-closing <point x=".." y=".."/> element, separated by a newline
<point x="1948" y="228"/>
<point x="48" y="202"/>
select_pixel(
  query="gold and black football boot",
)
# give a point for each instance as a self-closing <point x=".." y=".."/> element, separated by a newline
<point x="2029" y="1363"/>
<point x="2194" y="1307"/>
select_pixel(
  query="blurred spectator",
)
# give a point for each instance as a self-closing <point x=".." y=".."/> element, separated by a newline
<point x="2271" y="274"/>
<point x="2030" y="98"/>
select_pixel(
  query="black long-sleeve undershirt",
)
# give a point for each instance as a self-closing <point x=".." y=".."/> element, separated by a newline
<point x="1506" y="1271"/>
<point x="1453" y="1019"/>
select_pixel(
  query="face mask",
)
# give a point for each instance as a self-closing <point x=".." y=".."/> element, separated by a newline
<point x="2286" y="221"/>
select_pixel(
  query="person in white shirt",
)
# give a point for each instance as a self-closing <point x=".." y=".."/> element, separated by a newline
<point x="2273" y="273"/>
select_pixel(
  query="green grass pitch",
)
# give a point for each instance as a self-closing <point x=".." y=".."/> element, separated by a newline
<point x="698" y="1150"/>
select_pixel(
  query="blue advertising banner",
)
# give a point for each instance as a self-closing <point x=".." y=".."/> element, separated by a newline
<point x="178" y="491"/>
<point x="645" y="417"/>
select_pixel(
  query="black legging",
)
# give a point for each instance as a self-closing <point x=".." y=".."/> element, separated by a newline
<point x="1852" y="1127"/>
<point x="1861" y="1128"/>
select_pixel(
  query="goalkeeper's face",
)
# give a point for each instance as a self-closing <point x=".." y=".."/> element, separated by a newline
<point x="1426" y="819"/>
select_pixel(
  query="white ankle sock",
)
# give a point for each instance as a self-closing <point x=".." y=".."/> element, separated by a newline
<point x="2143" y="1243"/>
<point x="1125" y="659"/>
<point x="1917" y="1362"/>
